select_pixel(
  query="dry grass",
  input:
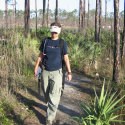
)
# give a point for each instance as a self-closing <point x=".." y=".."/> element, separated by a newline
<point x="16" y="64"/>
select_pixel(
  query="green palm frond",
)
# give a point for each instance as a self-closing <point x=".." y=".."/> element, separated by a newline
<point x="103" y="109"/>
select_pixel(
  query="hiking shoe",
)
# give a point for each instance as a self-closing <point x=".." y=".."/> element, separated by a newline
<point x="58" y="122"/>
<point x="48" y="122"/>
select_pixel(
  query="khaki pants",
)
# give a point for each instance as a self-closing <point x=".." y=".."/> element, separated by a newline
<point x="52" y="85"/>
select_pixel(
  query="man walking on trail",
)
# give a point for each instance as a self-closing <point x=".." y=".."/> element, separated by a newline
<point x="51" y="58"/>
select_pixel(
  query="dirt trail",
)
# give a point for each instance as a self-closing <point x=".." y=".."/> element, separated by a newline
<point x="76" y="91"/>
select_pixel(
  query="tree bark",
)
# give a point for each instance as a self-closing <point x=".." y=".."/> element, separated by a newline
<point x="48" y="14"/>
<point x="100" y="19"/>
<point x="97" y="22"/>
<point x="105" y="11"/>
<point x="27" y="17"/>
<point x="56" y="12"/>
<point x="88" y="13"/>
<point x="117" y="57"/>
<point x="6" y="14"/>
<point x="83" y="15"/>
<point x="36" y="14"/>
<point x="44" y="8"/>
<point x="15" y="13"/>
<point x="123" y="48"/>
<point x="80" y="14"/>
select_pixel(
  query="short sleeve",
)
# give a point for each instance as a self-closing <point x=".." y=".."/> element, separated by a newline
<point x="65" y="48"/>
<point x="41" y="48"/>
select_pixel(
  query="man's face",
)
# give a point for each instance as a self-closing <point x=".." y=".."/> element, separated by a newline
<point x="54" y="34"/>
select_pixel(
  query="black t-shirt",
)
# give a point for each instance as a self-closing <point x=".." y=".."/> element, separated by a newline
<point x="52" y="54"/>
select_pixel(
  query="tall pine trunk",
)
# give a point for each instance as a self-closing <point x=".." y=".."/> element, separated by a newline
<point x="56" y="12"/>
<point x="6" y="14"/>
<point x="83" y="15"/>
<point x="105" y="11"/>
<point x="100" y="19"/>
<point x="97" y="22"/>
<point x="15" y="13"/>
<point x="88" y="13"/>
<point x="36" y="15"/>
<point x="117" y="60"/>
<point x="80" y="14"/>
<point x="44" y="8"/>
<point x="123" y="48"/>
<point x="27" y="17"/>
<point x="48" y="14"/>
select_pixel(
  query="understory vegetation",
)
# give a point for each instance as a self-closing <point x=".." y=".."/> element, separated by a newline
<point x="18" y="55"/>
<point x="104" y="109"/>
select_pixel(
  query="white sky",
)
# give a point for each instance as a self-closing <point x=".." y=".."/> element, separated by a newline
<point x="68" y="5"/>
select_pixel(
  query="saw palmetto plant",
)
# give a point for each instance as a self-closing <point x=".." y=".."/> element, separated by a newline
<point x="103" y="109"/>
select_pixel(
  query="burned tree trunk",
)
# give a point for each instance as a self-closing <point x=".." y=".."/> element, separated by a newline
<point x="27" y="17"/>
<point x="117" y="57"/>
<point x="123" y="41"/>
<point x="97" y="22"/>
<point x="100" y="19"/>
<point x="44" y="8"/>
<point x="56" y="12"/>
<point x="88" y="13"/>
<point x="48" y="14"/>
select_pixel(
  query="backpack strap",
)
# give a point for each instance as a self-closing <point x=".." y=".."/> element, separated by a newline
<point x="61" y="44"/>
<point x="44" y="46"/>
<point x="45" y="41"/>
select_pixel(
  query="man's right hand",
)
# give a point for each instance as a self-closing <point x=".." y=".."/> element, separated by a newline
<point x="35" y="72"/>
<point x="37" y="64"/>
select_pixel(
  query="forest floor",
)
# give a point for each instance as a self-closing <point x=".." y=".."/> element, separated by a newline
<point x="79" y="90"/>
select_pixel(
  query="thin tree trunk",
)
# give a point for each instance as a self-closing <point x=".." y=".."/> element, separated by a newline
<point x="97" y="21"/>
<point x="123" y="50"/>
<point x="100" y="18"/>
<point x="44" y="6"/>
<point x="117" y="60"/>
<point x="88" y="13"/>
<point x="83" y="23"/>
<point x="27" y="16"/>
<point x="105" y="11"/>
<point x="15" y="13"/>
<point x="6" y="14"/>
<point x="80" y="15"/>
<point x="48" y="14"/>
<point x="36" y="14"/>
<point x="56" y="12"/>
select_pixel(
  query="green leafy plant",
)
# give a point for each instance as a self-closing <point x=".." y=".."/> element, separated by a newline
<point x="5" y="109"/>
<point x="103" y="110"/>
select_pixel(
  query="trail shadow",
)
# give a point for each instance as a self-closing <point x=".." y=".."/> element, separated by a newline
<point x="62" y="108"/>
<point x="82" y="77"/>
<point x="83" y="80"/>
<point x="81" y="88"/>
<point x="68" y="111"/>
<point x="31" y="103"/>
<point x="83" y="74"/>
<point x="32" y="92"/>
<point x="99" y="79"/>
<point x="58" y="122"/>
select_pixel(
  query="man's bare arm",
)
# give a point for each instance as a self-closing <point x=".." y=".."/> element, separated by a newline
<point x="40" y="57"/>
<point x="67" y="62"/>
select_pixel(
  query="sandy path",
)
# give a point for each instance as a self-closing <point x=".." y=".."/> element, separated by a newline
<point x="76" y="91"/>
